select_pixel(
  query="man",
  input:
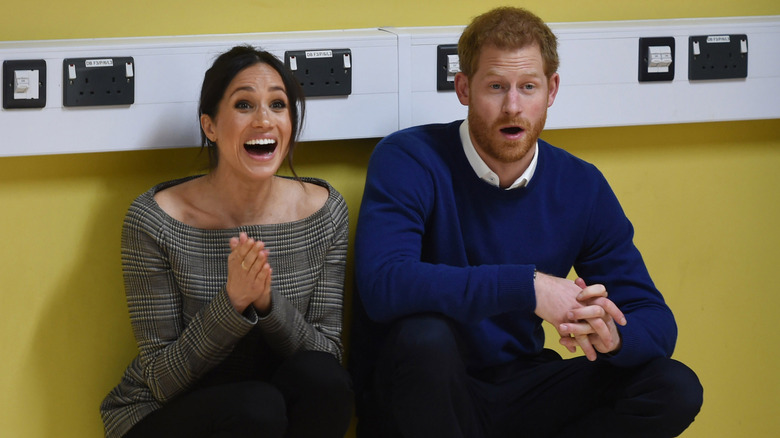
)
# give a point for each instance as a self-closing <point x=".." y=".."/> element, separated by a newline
<point x="466" y="233"/>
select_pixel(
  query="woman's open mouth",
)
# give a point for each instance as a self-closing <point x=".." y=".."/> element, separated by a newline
<point x="260" y="147"/>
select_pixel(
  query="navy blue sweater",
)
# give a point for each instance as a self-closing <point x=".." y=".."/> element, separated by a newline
<point x="433" y="237"/>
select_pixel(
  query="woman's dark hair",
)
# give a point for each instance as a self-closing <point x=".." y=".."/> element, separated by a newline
<point x="226" y="67"/>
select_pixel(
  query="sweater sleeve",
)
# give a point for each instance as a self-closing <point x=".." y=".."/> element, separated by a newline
<point x="287" y="329"/>
<point x="171" y="355"/>
<point x="609" y="257"/>
<point x="393" y="280"/>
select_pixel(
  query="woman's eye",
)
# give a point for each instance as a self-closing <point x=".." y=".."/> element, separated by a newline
<point x="242" y="104"/>
<point x="278" y="104"/>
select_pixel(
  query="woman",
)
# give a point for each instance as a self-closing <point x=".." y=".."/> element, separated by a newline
<point x="234" y="279"/>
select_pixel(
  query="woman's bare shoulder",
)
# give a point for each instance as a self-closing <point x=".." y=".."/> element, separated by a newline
<point x="178" y="202"/>
<point x="308" y="197"/>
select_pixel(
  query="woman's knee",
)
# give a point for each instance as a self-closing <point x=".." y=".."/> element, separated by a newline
<point x="315" y="369"/>
<point x="256" y="406"/>
<point x="319" y="395"/>
<point x="315" y="375"/>
<point x="236" y="409"/>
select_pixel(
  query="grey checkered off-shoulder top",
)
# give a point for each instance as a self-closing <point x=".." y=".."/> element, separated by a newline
<point x="185" y="327"/>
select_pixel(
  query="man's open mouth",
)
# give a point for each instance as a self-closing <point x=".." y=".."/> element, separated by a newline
<point x="512" y="130"/>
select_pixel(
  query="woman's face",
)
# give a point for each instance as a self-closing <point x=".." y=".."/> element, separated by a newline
<point x="252" y="126"/>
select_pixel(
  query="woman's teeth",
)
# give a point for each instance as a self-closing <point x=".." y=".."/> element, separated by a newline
<point x="263" y="146"/>
<point x="261" y="142"/>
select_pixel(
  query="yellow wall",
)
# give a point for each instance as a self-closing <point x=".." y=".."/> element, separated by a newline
<point x="705" y="199"/>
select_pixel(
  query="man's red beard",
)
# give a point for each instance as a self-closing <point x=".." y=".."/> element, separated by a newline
<point x="490" y="141"/>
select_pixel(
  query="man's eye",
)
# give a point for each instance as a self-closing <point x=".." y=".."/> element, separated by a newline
<point x="495" y="86"/>
<point x="529" y="86"/>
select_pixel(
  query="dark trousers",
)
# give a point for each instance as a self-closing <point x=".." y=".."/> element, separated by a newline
<point x="309" y="395"/>
<point x="423" y="389"/>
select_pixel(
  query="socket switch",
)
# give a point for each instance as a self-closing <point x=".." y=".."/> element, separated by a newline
<point x="656" y="59"/>
<point x="447" y="66"/>
<point x="24" y="83"/>
<point x="717" y="57"/>
<point x="322" y="72"/>
<point x="98" y="81"/>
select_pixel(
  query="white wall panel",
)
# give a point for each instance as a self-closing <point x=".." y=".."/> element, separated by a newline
<point x="599" y="69"/>
<point x="394" y="84"/>
<point x="169" y="72"/>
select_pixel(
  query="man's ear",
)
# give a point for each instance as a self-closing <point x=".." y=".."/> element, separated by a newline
<point x="462" y="88"/>
<point x="208" y="127"/>
<point x="552" y="88"/>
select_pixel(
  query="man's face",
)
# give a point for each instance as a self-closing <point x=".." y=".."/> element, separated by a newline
<point x="508" y="97"/>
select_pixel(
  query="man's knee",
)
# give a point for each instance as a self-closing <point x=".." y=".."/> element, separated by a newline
<point x="423" y="338"/>
<point x="421" y="382"/>
<point x="679" y="394"/>
<point x="685" y="385"/>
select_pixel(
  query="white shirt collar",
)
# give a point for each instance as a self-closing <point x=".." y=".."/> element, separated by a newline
<point x="483" y="171"/>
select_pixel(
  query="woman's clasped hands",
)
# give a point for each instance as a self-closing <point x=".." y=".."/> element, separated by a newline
<point x="249" y="274"/>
